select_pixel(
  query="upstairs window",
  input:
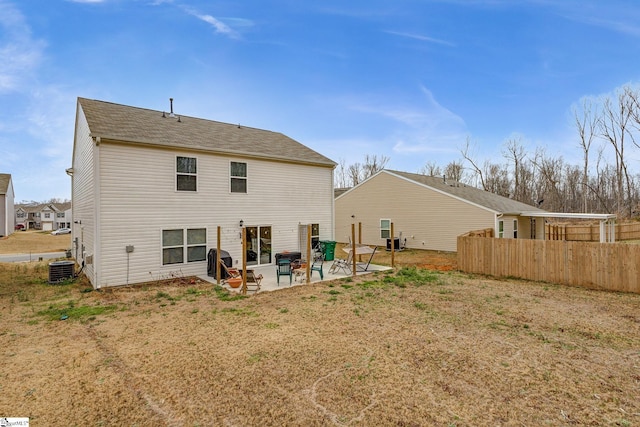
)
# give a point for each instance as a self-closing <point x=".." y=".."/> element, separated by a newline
<point x="238" y="177"/>
<point x="385" y="228"/>
<point x="186" y="178"/>
<point x="501" y="229"/>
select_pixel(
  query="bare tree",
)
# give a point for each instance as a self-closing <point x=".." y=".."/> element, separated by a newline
<point x="586" y="121"/>
<point x="550" y="179"/>
<point x="497" y="179"/>
<point x="466" y="155"/>
<point x="454" y="171"/>
<point x="340" y="175"/>
<point x="430" y="169"/>
<point x="354" y="172"/>
<point x="515" y="153"/>
<point x="614" y="128"/>
<point x="373" y="164"/>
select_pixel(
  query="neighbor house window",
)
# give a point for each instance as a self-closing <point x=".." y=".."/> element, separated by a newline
<point x="47" y="215"/>
<point x="515" y="228"/>
<point x="238" y="177"/>
<point x="20" y="214"/>
<point x="180" y="244"/>
<point x="60" y="215"/>
<point x="385" y="228"/>
<point x="501" y="228"/>
<point x="186" y="174"/>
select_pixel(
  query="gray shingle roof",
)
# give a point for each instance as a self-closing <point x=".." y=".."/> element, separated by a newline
<point x="5" y="179"/>
<point x="117" y="122"/>
<point x="474" y="195"/>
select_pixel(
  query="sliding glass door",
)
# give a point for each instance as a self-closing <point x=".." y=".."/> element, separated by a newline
<point x="258" y="245"/>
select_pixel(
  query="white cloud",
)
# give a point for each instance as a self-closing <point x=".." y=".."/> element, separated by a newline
<point x="20" y="55"/>
<point x="219" y="26"/>
<point x="426" y="127"/>
<point x="421" y="38"/>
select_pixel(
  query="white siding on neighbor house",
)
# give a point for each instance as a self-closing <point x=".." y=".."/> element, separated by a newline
<point x="7" y="212"/>
<point x="82" y="193"/>
<point x="426" y="218"/>
<point x="4" y="217"/>
<point x="138" y="199"/>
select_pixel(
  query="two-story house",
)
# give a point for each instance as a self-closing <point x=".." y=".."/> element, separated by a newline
<point x="152" y="190"/>
<point x="44" y="216"/>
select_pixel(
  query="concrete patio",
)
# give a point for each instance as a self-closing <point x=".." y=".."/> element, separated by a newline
<point x="269" y="280"/>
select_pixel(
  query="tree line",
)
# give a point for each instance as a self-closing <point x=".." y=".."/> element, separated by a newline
<point x="607" y="135"/>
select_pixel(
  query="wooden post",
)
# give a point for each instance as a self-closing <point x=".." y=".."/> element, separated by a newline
<point x="359" y="239"/>
<point x="218" y="272"/>
<point x="244" y="261"/>
<point x="308" y="266"/>
<point x="393" y="247"/>
<point x="353" y="249"/>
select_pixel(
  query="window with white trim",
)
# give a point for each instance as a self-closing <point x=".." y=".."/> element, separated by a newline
<point x="238" y="174"/>
<point x="501" y="229"/>
<point x="385" y="228"/>
<point x="186" y="174"/>
<point x="180" y="244"/>
<point x="515" y="228"/>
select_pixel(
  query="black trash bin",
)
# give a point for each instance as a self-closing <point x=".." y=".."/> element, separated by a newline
<point x="211" y="263"/>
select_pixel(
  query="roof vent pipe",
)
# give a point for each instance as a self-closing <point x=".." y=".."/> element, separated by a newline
<point x="171" y="105"/>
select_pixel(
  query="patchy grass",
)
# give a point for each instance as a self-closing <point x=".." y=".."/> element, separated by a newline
<point x="411" y="347"/>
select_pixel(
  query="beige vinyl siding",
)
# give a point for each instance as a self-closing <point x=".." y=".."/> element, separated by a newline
<point x="84" y="216"/>
<point x="138" y="199"/>
<point x="427" y="219"/>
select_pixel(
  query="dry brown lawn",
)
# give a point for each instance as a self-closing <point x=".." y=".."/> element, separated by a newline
<point x="24" y="242"/>
<point x="415" y="347"/>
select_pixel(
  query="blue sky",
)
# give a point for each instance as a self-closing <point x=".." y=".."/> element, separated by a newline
<point x="406" y="79"/>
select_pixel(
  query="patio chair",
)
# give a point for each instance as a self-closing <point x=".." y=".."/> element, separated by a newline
<point x="232" y="273"/>
<point x="318" y="260"/>
<point x="341" y="264"/>
<point x="253" y="280"/>
<point x="283" y="268"/>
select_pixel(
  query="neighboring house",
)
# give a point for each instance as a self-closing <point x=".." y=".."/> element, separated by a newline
<point x="63" y="218"/>
<point x="44" y="216"/>
<point x="151" y="188"/>
<point x="21" y="216"/>
<point x="428" y="212"/>
<point x="7" y="209"/>
<point x="47" y="217"/>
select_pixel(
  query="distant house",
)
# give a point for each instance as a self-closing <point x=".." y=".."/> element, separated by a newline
<point x="43" y="216"/>
<point x="429" y="212"/>
<point x="7" y="218"/>
<point x="150" y="189"/>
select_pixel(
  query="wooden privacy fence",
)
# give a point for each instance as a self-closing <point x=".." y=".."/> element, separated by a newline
<point x="590" y="232"/>
<point x="609" y="266"/>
